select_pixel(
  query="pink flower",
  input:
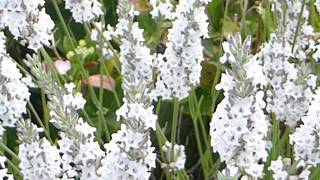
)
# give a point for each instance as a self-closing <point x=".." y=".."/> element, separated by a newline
<point x="107" y="82"/>
<point x="62" y="66"/>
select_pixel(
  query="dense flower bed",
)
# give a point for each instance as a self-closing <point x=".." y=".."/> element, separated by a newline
<point x="159" y="89"/>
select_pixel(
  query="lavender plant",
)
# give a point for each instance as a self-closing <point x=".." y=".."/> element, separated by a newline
<point x="159" y="89"/>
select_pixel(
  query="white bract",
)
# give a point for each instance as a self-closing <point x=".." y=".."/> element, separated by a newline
<point x="174" y="160"/>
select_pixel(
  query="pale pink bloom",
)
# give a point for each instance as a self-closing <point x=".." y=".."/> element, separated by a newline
<point x="62" y="66"/>
<point x="107" y="82"/>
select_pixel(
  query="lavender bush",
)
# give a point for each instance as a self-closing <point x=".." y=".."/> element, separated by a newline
<point x="159" y="89"/>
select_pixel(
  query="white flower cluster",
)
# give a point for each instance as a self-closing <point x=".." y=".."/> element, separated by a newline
<point x="163" y="9"/>
<point x="301" y="39"/>
<point x="305" y="139"/>
<point x="179" y="67"/>
<point x="239" y="126"/>
<point x="74" y="100"/>
<point x="98" y="35"/>
<point x="279" y="172"/>
<point x="27" y="19"/>
<point x="174" y="160"/>
<point x="84" y="11"/>
<point x="130" y="154"/>
<point x="81" y="155"/>
<point x="136" y="59"/>
<point x="291" y="84"/>
<point x="3" y="170"/>
<point x="282" y="167"/>
<point x="13" y="91"/>
<point x="39" y="159"/>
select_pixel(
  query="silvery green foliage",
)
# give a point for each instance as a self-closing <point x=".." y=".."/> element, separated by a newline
<point x="28" y="20"/>
<point x="136" y="59"/>
<point x="175" y="157"/>
<point x="239" y="126"/>
<point x="162" y="9"/>
<point x="129" y="154"/>
<point x="3" y="170"/>
<point x="81" y="155"/>
<point x="305" y="139"/>
<point x="84" y="11"/>
<point x="14" y="92"/>
<point x="39" y="159"/>
<point x="179" y="67"/>
<point x="283" y="170"/>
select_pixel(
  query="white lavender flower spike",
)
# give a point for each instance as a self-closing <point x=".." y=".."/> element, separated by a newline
<point x="130" y="154"/>
<point x="81" y="155"/>
<point x="239" y="127"/>
<point x="180" y="65"/>
<point x="14" y="93"/>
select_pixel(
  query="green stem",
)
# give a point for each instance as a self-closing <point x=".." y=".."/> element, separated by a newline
<point x="9" y="151"/>
<point x="174" y="121"/>
<point x="82" y="69"/>
<point x="298" y="25"/>
<point x="15" y="168"/>
<point x="196" y="130"/>
<point x="45" y="127"/>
